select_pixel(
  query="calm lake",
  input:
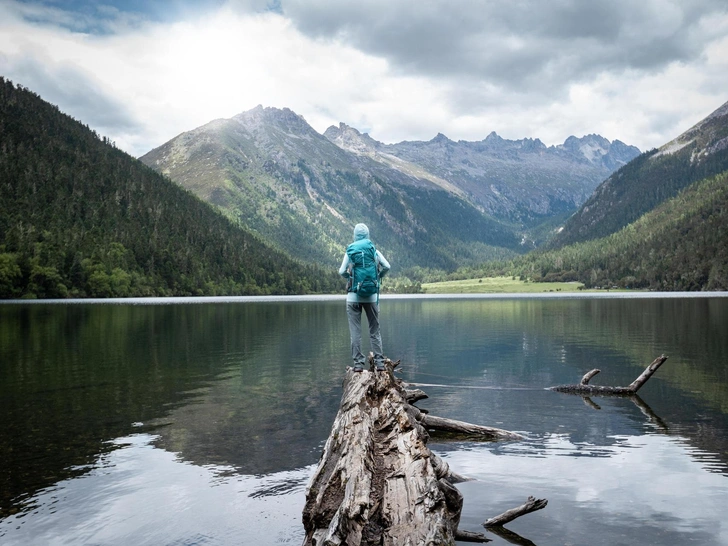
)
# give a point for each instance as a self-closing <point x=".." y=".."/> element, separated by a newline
<point x="199" y="421"/>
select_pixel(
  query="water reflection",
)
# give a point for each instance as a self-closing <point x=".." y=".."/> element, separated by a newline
<point x="252" y="386"/>
<point x="622" y="495"/>
<point x="138" y="494"/>
<point x="218" y="410"/>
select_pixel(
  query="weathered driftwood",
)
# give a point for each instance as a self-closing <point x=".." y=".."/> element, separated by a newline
<point x="414" y="395"/>
<point x="531" y="505"/>
<point x="588" y="376"/>
<point x="377" y="481"/>
<point x="460" y="427"/>
<point x="585" y="389"/>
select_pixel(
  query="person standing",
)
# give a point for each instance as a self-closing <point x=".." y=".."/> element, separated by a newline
<point x="360" y="259"/>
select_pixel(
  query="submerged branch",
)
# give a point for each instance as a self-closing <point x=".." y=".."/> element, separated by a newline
<point x="531" y="505"/>
<point x="584" y="388"/>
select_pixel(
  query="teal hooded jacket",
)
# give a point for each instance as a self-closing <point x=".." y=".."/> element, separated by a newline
<point x="361" y="231"/>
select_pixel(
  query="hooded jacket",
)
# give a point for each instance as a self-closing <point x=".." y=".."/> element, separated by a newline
<point x="361" y="231"/>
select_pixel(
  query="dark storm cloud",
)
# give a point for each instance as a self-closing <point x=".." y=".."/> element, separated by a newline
<point x="75" y="93"/>
<point x="515" y="44"/>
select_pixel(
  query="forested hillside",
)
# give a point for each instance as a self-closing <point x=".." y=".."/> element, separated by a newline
<point x="650" y="179"/>
<point x="680" y="245"/>
<point x="80" y="218"/>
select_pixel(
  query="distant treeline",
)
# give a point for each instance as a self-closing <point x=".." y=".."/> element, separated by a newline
<point x="80" y="218"/>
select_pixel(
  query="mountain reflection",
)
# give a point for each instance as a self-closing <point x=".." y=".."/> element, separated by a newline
<point x="249" y="385"/>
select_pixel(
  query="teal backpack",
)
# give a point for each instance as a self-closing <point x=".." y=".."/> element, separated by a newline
<point x="364" y="273"/>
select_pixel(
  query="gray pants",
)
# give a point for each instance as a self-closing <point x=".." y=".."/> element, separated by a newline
<point x="353" y="312"/>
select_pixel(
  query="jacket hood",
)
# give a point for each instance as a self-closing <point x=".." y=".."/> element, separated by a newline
<point x="361" y="231"/>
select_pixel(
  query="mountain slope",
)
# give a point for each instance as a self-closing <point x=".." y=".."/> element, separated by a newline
<point x="268" y="169"/>
<point x="649" y="180"/>
<point x="522" y="181"/>
<point x="680" y="245"/>
<point x="436" y="205"/>
<point x="79" y="217"/>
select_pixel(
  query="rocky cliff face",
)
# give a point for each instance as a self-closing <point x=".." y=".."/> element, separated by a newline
<point x="521" y="181"/>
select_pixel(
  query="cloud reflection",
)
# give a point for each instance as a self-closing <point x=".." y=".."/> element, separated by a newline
<point x="140" y="494"/>
<point x="648" y="479"/>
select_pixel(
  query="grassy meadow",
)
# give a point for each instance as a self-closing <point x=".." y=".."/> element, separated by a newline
<point x="498" y="285"/>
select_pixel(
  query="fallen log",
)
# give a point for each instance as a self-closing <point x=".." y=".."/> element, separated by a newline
<point x="377" y="481"/>
<point x="585" y="388"/>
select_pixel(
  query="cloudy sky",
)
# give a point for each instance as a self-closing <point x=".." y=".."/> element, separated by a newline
<point x="143" y="71"/>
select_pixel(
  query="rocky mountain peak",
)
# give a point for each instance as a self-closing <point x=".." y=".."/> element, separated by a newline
<point x="599" y="151"/>
<point x="574" y="143"/>
<point x="493" y="140"/>
<point x="350" y="139"/>
<point x="440" y="139"/>
<point x="283" y="119"/>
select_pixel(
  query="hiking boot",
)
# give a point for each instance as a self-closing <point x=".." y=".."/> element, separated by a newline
<point x="381" y="367"/>
<point x="358" y="367"/>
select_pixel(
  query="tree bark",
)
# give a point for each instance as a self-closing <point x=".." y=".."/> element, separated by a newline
<point x="377" y="481"/>
<point x="415" y="395"/>
<point x="585" y="389"/>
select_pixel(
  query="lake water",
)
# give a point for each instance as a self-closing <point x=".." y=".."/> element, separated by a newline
<point x="199" y="422"/>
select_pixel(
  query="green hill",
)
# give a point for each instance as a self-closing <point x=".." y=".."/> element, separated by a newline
<point x="80" y="218"/>
<point x="680" y="245"/>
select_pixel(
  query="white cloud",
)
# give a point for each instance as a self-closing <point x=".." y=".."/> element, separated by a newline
<point x="400" y="73"/>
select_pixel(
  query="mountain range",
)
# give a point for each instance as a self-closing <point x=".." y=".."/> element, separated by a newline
<point x="263" y="204"/>
<point x="521" y="181"/>
<point x="437" y="204"/>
